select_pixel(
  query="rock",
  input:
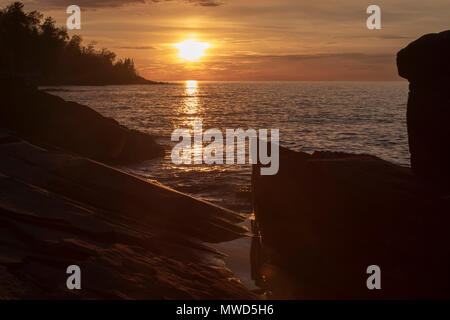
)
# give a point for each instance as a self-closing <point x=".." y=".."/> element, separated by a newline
<point x="426" y="64"/>
<point x="324" y="218"/>
<point x="426" y="59"/>
<point x="132" y="239"/>
<point x="50" y="121"/>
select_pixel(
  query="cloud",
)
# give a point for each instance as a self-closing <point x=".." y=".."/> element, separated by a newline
<point x="361" y="57"/>
<point x="296" y="67"/>
<point x="395" y="37"/>
<point x="203" y="3"/>
<point x="324" y="67"/>
<point x="51" y="4"/>
<point x="137" y="47"/>
<point x="207" y="3"/>
<point x="84" y="3"/>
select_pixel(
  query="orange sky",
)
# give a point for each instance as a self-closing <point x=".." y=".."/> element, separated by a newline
<point x="255" y="39"/>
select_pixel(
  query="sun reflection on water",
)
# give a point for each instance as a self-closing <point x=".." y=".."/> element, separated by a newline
<point x="191" y="110"/>
<point x="191" y="101"/>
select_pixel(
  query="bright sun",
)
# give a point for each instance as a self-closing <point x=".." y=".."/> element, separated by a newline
<point x="192" y="49"/>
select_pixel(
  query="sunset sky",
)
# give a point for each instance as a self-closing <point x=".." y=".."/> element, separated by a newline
<point x="255" y="39"/>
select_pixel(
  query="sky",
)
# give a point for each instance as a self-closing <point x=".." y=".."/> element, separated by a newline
<point x="253" y="40"/>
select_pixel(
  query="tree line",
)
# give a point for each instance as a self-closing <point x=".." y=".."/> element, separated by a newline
<point x="32" y="45"/>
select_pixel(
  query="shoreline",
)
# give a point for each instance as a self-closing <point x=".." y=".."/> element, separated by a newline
<point x="87" y="84"/>
<point x="328" y="216"/>
<point x="120" y="227"/>
<point x="101" y="210"/>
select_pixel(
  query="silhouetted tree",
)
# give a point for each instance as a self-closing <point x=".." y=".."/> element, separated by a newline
<point x="32" y="44"/>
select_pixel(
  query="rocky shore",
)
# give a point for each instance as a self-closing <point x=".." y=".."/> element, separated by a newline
<point x="131" y="239"/>
<point x="51" y="122"/>
<point x="324" y="218"/>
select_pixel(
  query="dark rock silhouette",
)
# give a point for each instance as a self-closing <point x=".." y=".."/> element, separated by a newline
<point x="48" y="120"/>
<point x="426" y="64"/>
<point x="324" y="218"/>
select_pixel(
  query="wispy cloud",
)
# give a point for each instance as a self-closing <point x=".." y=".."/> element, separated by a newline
<point x="296" y="67"/>
<point x="207" y="3"/>
<point x="137" y="47"/>
<point x="51" y="4"/>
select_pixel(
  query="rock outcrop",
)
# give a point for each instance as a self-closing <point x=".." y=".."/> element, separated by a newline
<point x="324" y="218"/>
<point x="132" y="239"/>
<point x="426" y="64"/>
<point x="50" y="121"/>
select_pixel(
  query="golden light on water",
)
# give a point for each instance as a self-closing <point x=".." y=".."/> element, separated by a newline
<point x="191" y="108"/>
<point x="191" y="101"/>
<point x="191" y="49"/>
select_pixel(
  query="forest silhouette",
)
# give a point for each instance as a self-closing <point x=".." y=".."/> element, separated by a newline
<point x="32" y="46"/>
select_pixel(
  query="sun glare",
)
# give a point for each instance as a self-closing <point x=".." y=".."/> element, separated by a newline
<point x="192" y="50"/>
<point x="191" y="84"/>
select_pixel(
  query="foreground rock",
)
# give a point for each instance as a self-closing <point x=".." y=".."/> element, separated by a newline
<point x="132" y="239"/>
<point x="426" y="64"/>
<point x="48" y="120"/>
<point x="324" y="218"/>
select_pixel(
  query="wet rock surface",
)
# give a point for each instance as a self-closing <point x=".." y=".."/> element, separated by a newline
<point x="132" y="239"/>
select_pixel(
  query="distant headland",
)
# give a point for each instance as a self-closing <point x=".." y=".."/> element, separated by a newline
<point x="34" y="48"/>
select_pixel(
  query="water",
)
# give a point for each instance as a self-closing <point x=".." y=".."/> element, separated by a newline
<point x="356" y="117"/>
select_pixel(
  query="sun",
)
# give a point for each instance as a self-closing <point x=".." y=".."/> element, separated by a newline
<point x="191" y="50"/>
